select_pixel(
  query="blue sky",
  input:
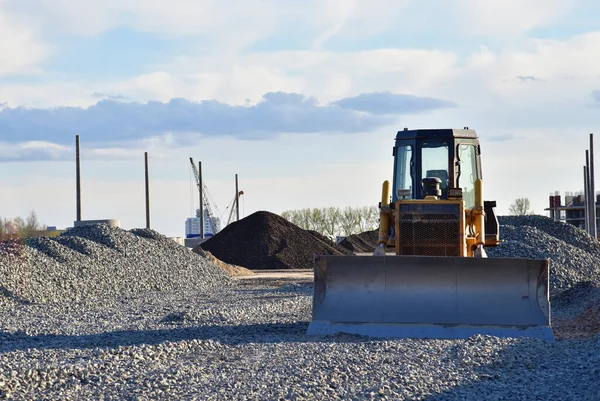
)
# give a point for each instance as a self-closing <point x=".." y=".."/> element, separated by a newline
<point x="301" y="99"/>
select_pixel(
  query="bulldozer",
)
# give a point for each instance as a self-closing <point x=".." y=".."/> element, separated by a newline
<point x="429" y="276"/>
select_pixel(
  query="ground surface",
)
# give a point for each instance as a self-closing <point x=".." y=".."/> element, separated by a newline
<point x="248" y="342"/>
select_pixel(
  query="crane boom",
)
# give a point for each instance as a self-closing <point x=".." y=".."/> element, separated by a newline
<point x="205" y="201"/>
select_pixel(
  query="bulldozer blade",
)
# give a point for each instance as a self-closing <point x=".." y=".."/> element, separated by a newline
<point x="431" y="297"/>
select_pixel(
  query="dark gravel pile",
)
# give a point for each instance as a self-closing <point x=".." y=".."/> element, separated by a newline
<point x="265" y="240"/>
<point x="360" y="243"/>
<point x="100" y="261"/>
<point x="574" y="255"/>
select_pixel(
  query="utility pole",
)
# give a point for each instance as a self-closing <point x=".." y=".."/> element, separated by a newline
<point x="590" y="197"/>
<point x="594" y="229"/>
<point x="586" y="196"/>
<point x="147" y="191"/>
<point x="237" y="199"/>
<point x="78" y="177"/>
<point x="200" y="189"/>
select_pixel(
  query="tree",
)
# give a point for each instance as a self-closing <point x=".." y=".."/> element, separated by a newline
<point x="19" y="227"/>
<point x="368" y="217"/>
<point x="334" y="220"/>
<point x="520" y="207"/>
<point x="349" y="221"/>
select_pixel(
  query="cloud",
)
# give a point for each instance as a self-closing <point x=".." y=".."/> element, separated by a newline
<point x="20" y="50"/>
<point x="507" y="17"/>
<point x="596" y="96"/>
<point x="100" y="95"/>
<point x="348" y="18"/>
<point x="32" y="151"/>
<point x="528" y="78"/>
<point x="384" y="103"/>
<point x="252" y="20"/>
<point x="117" y="122"/>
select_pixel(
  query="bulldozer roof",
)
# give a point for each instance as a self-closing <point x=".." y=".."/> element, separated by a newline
<point x="436" y="133"/>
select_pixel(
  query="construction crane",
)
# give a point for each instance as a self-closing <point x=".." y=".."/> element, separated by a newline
<point x="205" y="198"/>
<point x="234" y="204"/>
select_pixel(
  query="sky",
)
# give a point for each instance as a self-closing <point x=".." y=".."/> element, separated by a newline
<point x="300" y="99"/>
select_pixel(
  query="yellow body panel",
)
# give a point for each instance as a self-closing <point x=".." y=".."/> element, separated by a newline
<point x="431" y="200"/>
<point x="472" y="227"/>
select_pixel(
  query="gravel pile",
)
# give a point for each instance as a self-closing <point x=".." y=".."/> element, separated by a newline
<point x="265" y="240"/>
<point x="231" y="270"/>
<point x="99" y="261"/>
<point x="574" y="255"/>
<point x="576" y="311"/>
<point x="360" y="243"/>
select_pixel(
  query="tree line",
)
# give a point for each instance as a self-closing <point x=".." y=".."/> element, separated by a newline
<point x="353" y="220"/>
<point x="19" y="227"/>
<point x="335" y="220"/>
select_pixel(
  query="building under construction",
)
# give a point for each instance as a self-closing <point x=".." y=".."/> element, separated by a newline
<point x="581" y="208"/>
<point x="571" y="208"/>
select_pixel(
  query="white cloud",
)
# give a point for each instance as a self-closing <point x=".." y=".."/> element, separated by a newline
<point x="229" y="27"/>
<point x="327" y="75"/>
<point x="51" y="93"/>
<point x="31" y="150"/>
<point x="245" y="20"/>
<point x="502" y="18"/>
<point x="69" y="16"/>
<point x="562" y="71"/>
<point x="486" y="82"/>
<point x="21" y="51"/>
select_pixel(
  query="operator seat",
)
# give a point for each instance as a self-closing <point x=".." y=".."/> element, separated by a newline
<point x="443" y="176"/>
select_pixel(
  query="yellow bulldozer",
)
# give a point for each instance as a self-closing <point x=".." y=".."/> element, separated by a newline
<point x="430" y="276"/>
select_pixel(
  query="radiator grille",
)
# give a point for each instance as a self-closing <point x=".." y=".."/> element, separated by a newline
<point x="430" y="229"/>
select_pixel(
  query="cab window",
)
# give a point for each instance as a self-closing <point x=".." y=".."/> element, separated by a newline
<point x="434" y="161"/>
<point x="403" y="168"/>
<point x="467" y="172"/>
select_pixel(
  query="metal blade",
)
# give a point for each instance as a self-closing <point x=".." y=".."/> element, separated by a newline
<point x="437" y="297"/>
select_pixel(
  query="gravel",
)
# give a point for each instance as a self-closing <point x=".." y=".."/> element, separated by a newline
<point x="363" y="242"/>
<point x="179" y="328"/>
<point x="89" y="262"/>
<point x="265" y="240"/>
<point x="248" y="342"/>
<point x="574" y="255"/>
<point x="576" y="311"/>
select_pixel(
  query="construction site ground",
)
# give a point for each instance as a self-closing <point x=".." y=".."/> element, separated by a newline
<point x="105" y="313"/>
<point x="249" y="342"/>
<point x="303" y="275"/>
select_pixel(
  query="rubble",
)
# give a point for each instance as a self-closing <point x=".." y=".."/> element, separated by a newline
<point x="99" y="261"/>
<point x="267" y="241"/>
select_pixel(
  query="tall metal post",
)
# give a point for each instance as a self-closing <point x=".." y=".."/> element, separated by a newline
<point x="586" y="214"/>
<point x="237" y="199"/>
<point x="147" y="191"/>
<point x="594" y="232"/>
<point x="201" y="190"/>
<point x="588" y="201"/>
<point x="78" y="177"/>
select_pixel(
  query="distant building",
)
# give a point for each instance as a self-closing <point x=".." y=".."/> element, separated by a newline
<point x="192" y="227"/>
<point x="572" y="210"/>
<point x="211" y="225"/>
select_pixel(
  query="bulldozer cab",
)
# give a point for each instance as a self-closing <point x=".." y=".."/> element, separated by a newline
<point x="451" y="155"/>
